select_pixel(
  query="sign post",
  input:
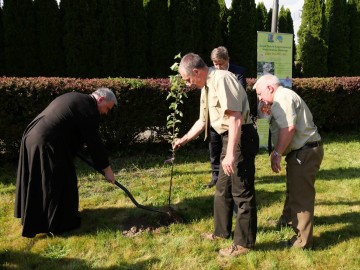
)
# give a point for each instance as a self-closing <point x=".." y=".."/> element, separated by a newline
<point x="274" y="56"/>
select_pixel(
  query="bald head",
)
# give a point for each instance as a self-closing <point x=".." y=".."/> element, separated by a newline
<point x="266" y="87"/>
<point x="267" y="79"/>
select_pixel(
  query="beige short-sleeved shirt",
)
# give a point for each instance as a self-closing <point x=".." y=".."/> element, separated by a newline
<point x="224" y="93"/>
<point x="289" y="109"/>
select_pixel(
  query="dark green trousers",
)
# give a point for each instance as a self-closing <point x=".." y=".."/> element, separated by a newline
<point x="237" y="189"/>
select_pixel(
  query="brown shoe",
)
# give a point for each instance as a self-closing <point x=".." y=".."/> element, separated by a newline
<point x="210" y="236"/>
<point x="234" y="250"/>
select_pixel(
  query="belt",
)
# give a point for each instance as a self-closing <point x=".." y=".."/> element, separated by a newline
<point x="222" y="134"/>
<point x="310" y="145"/>
<point x="226" y="133"/>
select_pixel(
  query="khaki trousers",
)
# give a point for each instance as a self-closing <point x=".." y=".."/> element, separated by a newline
<point x="301" y="169"/>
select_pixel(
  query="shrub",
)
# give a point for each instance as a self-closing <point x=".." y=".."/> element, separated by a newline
<point x="143" y="106"/>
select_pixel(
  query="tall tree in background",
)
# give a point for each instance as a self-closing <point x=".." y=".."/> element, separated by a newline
<point x="113" y="52"/>
<point x="312" y="43"/>
<point x="242" y="35"/>
<point x="133" y="38"/>
<point x="269" y="20"/>
<point x="2" y="60"/>
<point x="210" y="25"/>
<point x="81" y="37"/>
<point x="338" y="38"/>
<point x="160" y="56"/>
<point x="19" y="38"/>
<point x="223" y="13"/>
<point x="136" y="35"/>
<point x="286" y="25"/>
<point x="354" y="14"/>
<point x="290" y="23"/>
<point x="261" y="17"/>
<point x="48" y="38"/>
<point x="283" y="24"/>
<point x="185" y="16"/>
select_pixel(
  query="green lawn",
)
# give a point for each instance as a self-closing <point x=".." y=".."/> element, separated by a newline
<point x="100" y="244"/>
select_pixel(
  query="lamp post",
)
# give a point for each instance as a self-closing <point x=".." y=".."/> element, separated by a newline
<point x="274" y="19"/>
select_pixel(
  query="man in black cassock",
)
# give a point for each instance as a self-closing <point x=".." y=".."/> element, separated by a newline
<point x="47" y="197"/>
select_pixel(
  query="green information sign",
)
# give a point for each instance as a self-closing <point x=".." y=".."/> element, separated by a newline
<point x="274" y="56"/>
<point x="263" y="131"/>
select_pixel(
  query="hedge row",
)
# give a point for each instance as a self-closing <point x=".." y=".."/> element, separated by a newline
<point x="143" y="105"/>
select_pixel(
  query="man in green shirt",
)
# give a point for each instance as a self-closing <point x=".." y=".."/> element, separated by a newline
<point x="225" y="108"/>
<point x="296" y="137"/>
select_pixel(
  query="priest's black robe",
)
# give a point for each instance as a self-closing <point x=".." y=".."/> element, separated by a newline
<point x="47" y="198"/>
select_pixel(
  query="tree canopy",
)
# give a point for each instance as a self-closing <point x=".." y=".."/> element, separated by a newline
<point x="139" y="38"/>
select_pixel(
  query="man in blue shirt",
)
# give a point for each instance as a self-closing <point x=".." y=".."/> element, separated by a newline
<point x="220" y="58"/>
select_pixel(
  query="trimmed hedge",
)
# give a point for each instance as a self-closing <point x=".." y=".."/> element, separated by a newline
<point x="335" y="106"/>
<point x="334" y="103"/>
<point x="142" y="106"/>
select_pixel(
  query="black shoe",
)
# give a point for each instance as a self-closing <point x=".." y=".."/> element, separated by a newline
<point x="283" y="223"/>
<point x="289" y="244"/>
<point x="210" y="184"/>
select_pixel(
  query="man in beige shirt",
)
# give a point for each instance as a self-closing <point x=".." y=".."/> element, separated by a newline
<point x="295" y="136"/>
<point x="224" y="106"/>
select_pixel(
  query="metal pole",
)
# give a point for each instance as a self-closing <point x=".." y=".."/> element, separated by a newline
<point x="274" y="19"/>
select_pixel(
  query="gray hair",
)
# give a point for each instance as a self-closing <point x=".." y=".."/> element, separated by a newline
<point x="219" y="53"/>
<point x="107" y="94"/>
<point x="269" y="79"/>
<point x="191" y="61"/>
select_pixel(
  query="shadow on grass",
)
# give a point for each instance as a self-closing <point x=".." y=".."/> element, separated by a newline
<point x="341" y="137"/>
<point x="114" y="219"/>
<point x="326" y="175"/>
<point x="153" y="156"/>
<point x="156" y="155"/>
<point x="10" y="259"/>
<point x="191" y="211"/>
<point x="338" y="173"/>
<point x="266" y="198"/>
<point x="349" y="231"/>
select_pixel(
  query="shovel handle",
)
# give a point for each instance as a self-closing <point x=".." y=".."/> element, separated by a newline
<point x="91" y="164"/>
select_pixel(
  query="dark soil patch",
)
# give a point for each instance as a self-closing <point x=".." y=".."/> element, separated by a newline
<point x="149" y="222"/>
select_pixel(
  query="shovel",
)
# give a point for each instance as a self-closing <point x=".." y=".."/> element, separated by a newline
<point x="169" y="211"/>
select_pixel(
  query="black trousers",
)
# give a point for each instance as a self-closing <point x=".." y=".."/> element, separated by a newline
<point x="215" y="147"/>
<point x="238" y="189"/>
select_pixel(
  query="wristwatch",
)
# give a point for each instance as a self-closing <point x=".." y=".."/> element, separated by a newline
<point x="276" y="153"/>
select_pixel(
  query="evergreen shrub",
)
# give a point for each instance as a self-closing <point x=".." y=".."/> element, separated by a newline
<point x="143" y="106"/>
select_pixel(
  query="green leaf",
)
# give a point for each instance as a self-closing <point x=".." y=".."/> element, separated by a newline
<point x="176" y="94"/>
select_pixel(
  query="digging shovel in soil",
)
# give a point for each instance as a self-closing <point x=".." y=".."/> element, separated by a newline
<point x="173" y="216"/>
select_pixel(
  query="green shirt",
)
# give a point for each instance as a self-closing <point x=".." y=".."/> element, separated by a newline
<point x="289" y="109"/>
<point x="224" y="93"/>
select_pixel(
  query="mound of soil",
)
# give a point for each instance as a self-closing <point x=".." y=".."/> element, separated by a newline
<point x="149" y="222"/>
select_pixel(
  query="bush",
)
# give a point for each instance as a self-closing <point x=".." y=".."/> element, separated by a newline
<point x="143" y="106"/>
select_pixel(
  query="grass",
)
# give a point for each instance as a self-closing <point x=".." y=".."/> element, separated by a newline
<point x="99" y="243"/>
